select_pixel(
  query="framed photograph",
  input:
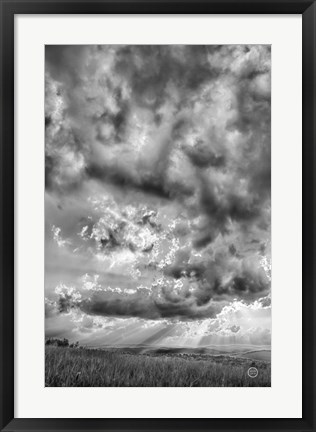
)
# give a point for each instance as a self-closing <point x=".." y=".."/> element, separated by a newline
<point x="157" y="232"/>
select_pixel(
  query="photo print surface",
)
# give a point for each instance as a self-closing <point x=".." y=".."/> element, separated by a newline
<point x="158" y="215"/>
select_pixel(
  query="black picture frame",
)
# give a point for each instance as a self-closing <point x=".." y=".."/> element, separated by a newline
<point x="8" y="9"/>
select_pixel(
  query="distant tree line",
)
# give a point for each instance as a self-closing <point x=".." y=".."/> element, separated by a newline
<point x="61" y="343"/>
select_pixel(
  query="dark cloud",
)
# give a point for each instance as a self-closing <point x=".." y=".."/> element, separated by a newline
<point x="99" y="106"/>
<point x="202" y="291"/>
<point x="151" y="183"/>
<point x="106" y="303"/>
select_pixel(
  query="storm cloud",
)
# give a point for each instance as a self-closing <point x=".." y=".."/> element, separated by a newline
<point x="158" y="180"/>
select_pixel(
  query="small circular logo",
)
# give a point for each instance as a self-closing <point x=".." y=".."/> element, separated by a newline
<point x="252" y="372"/>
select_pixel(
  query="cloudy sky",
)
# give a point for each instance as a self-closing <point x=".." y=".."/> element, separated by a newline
<point x="157" y="199"/>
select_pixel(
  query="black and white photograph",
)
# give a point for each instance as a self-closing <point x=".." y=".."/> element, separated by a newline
<point x="157" y="216"/>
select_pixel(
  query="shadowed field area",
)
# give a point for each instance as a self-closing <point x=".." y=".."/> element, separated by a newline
<point x="72" y="367"/>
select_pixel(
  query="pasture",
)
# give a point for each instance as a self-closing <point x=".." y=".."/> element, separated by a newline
<point x="73" y="367"/>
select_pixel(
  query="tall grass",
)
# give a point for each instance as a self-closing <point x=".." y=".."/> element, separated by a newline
<point x="67" y="367"/>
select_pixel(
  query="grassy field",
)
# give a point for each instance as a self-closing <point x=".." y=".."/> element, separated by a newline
<point x="70" y="367"/>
